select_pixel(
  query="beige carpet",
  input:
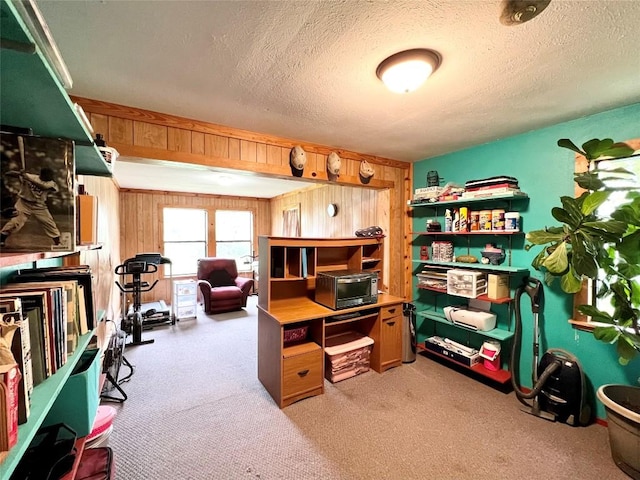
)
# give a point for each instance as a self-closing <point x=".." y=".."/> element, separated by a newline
<point x="196" y="410"/>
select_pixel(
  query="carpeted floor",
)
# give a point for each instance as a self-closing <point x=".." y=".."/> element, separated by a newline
<point x="196" y="410"/>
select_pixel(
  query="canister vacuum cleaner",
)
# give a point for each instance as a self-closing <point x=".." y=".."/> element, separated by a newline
<point x="559" y="388"/>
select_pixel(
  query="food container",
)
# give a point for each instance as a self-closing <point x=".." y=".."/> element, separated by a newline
<point x="497" y="220"/>
<point x="485" y="220"/>
<point x="512" y="221"/>
<point x="474" y="221"/>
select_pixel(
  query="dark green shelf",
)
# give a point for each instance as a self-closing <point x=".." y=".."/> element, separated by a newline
<point x="32" y="96"/>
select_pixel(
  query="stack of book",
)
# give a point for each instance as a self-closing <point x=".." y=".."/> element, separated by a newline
<point x="493" y="186"/>
<point x="42" y="313"/>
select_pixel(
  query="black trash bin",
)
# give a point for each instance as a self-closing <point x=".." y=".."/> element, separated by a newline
<point x="408" y="333"/>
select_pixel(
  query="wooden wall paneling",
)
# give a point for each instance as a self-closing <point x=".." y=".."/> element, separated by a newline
<point x="142" y="232"/>
<point x="248" y="151"/>
<point x="104" y="260"/>
<point x="408" y="227"/>
<point x="234" y="149"/>
<point x="178" y="139"/>
<point x="120" y="130"/>
<point x="312" y="163"/>
<point x="149" y="135"/>
<point x="261" y="153"/>
<point x="197" y="143"/>
<point x="100" y="124"/>
<point x="216" y="146"/>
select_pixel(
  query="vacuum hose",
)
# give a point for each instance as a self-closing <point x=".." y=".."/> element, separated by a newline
<point x="533" y="288"/>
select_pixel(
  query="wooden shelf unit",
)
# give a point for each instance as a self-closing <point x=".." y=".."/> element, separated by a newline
<point x="287" y="289"/>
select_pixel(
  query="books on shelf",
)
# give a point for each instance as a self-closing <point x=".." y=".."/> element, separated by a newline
<point x="15" y="336"/>
<point x="80" y="273"/>
<point x="9" y="384"/>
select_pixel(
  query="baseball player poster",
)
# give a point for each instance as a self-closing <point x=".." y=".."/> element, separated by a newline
<point x="38" y="194"/>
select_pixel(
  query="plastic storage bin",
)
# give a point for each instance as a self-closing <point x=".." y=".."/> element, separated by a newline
<point x="78" y="402"/>
<point x="466" y="283"/>
<point x="346" y="355"/>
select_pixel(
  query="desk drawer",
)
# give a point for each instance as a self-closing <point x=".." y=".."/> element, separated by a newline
<point x="302" y="373"/>
<point x="391" y="311"/>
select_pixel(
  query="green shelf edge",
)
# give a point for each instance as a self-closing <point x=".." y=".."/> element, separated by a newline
<point x="33" y="97"/>
<point x="42" y="399"/>
<point x="496" y="333"/>
<point x="470" y="200"/>
<point x="474" y="266"/>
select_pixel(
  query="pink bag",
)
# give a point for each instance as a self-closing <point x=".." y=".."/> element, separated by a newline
<point x="96" y="464"/>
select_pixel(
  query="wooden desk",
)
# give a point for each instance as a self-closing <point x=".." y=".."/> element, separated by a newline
<point x="291" y="373"/>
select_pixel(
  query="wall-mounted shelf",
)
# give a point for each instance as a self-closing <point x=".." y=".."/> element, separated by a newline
<point x="33" y="97"/>
<point x="463" y="201"/>
<point x="475" y="266"/>
<point x="496" y="333"/>
<point x="478" y="232"/>
<point x="484" y="298"/>
<point x="18" y="258"/>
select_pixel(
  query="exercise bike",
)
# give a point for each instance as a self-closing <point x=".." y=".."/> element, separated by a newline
<point x="132" y="321"/>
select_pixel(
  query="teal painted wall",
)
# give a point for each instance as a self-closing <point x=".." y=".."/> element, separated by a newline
<point x="545" y="172"/>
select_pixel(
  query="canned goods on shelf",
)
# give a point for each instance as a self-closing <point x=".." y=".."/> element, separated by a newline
<point x="497" y="220"/>
<point x="485" y="220"/>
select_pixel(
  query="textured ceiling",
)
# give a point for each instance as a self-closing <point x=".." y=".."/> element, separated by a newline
<point x="305" y="70"/>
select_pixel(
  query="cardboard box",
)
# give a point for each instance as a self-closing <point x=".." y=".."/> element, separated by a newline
<point x="78" y="402"/>
<point x="498" y="286"/>
<point x="87" y="206"/>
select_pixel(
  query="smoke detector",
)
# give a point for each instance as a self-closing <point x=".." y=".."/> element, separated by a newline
<point x="515" y="12"/>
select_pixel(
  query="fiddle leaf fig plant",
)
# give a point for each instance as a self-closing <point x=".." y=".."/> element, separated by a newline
<point x="590" y="244"/>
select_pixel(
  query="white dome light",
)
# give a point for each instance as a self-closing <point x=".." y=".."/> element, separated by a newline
<point x="404" y="72"/>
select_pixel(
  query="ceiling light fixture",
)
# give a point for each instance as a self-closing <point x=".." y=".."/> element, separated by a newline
<point x="405" y="71"/>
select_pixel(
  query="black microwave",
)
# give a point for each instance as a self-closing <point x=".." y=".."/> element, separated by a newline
<point x="346" y="288"/>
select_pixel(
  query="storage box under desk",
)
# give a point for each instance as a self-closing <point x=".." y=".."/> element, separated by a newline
<point x="347" y="355"/>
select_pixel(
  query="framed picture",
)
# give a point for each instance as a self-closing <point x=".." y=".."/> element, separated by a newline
<point x="291" y="221"/>
<point x="38" y="194"/>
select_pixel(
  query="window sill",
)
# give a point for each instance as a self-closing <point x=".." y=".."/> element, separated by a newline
<point x="587" y="326"/>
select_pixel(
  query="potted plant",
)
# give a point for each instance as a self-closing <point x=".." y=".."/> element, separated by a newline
<point x="603" y="246"/>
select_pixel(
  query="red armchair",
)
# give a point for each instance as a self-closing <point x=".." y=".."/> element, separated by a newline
<point x="221" y="288"/>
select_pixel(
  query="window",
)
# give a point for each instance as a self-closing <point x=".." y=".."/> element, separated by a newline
<point x="185" y="238"/>
<point x="630" y="164"/>
<point x="234" y="237"/>
<point x="588" y="293"/>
